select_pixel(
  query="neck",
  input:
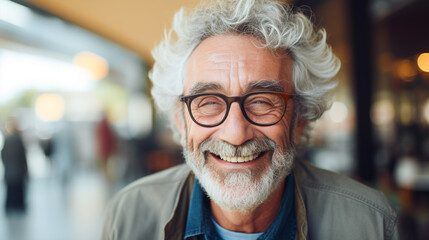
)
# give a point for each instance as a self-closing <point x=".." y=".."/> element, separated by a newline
<point x="253" y="221"/>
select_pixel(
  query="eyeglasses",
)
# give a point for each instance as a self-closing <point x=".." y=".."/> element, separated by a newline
<point x="262" y="108"/>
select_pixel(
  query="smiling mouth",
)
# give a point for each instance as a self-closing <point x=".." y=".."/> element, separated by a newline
<point x="241" y="159"/>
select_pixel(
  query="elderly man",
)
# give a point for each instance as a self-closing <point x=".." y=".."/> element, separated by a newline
<point x="240" y="82"/>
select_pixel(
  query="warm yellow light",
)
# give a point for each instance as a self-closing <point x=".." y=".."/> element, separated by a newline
<point x="423" y="62"/>
<point x="96" y="65"/>
<point x="49" y="107"/>
<point x="338" y="112"/>
<point x="382" y="112"/>
<point x="405" y="70"/>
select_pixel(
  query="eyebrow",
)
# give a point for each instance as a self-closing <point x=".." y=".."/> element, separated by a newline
<point x="202" y="87"/>
<point x="266" y="84"/>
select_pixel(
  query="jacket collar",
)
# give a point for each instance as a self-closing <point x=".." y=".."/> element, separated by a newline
<point x="179" y="214"/>
<point x="300" y="211"/>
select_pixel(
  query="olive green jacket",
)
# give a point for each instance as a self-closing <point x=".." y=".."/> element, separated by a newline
<point x="327" y="206"/>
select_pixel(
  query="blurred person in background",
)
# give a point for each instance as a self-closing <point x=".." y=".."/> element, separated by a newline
<point x="14" y="160"/>
<point x="241" y="83"/>
<point x="106" y="144"/>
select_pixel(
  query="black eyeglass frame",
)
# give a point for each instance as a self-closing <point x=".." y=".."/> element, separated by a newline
<point x="240" y="100"/>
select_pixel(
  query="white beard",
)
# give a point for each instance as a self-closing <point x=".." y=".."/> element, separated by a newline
<point x="241" y="190"/>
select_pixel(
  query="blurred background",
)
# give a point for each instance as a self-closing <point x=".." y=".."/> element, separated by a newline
<point x="77" y="116"/>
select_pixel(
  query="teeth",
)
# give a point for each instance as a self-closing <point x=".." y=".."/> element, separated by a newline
<point x="239" y="159"/>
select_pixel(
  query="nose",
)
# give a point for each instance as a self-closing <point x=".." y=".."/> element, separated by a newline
<point x="235" y="129"/>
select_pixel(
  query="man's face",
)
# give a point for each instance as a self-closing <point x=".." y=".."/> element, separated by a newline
<point x="234" y="65"/>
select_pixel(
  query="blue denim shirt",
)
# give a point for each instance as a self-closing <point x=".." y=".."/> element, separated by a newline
<point x="199" y="223"/>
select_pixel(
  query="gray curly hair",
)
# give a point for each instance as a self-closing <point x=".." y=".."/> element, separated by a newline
<point x="276" y="24"/>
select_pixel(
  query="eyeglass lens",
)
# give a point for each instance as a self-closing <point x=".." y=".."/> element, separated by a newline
<point x="261" y="108"/>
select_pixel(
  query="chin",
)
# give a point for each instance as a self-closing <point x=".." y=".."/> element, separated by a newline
<point x="244" y="189"/>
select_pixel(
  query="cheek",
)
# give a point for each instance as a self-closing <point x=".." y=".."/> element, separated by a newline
<point x="280" y="135"/>
<point x="287" y="124"/>
<point x="196" y="134"/>
<point x="285" y="135"/>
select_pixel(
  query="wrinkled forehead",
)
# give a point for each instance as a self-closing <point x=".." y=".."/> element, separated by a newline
<point x="236" y="62"/>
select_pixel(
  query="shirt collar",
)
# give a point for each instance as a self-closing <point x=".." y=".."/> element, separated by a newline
<point x="199" y="222"/>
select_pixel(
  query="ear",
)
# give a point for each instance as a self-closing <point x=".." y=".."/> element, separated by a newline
<point x="179" y="119"/>
<point x="299" y="128"/>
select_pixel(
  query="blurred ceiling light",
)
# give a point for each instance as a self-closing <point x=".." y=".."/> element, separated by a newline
<point x="405" y="70"/>
<point x="50" y="107"/>
<point x="382" y="112"/>
<point x="423" y="62"/>
<point x="21" y="71"/>
<point x="96" y="65"/>
<point x="14" y="13"/>
<point x="426" y="111"/>
<point x="338" y="112"/>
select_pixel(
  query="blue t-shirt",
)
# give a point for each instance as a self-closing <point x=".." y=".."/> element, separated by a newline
<point x="230" y="235"/>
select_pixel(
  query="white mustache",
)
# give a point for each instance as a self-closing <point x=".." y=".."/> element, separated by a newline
<point x="251" y="147"/>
